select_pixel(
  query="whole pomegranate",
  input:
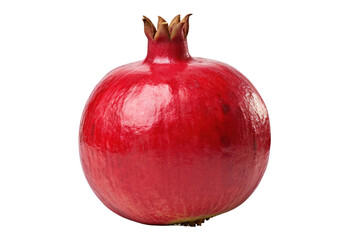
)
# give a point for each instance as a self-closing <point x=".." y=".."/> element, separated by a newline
<point x="173" y="139"/>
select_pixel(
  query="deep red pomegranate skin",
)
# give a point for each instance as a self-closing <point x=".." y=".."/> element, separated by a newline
<point x="173" y="138"/>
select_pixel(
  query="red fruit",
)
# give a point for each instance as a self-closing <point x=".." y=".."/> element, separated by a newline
<point x="174" y="139"/>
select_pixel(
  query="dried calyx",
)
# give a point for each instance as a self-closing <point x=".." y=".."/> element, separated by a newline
<point x="167" y="32"/>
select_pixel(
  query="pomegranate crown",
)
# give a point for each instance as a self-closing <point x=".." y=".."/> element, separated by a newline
<point x="176" y="30"/>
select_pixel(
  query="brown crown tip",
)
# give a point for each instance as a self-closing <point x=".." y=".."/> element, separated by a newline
<point x="186" y="25"/>
<point x="177" y="32"/>
<point x="160" y="21"/>
<point x="162" y="33"/>
<point x="174" y="22"/>
<point x="149" y="28"/>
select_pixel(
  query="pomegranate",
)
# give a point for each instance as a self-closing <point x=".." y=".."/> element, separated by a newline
<point x="173" y="139"/>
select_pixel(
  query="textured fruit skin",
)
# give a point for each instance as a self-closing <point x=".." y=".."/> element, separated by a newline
<point x="165" y="141"/>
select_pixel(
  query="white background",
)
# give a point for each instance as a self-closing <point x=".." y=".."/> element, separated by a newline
<point x="303" y="57"/>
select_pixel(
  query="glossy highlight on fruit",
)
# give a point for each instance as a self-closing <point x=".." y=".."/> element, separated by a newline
<point x="173" y="139"/>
